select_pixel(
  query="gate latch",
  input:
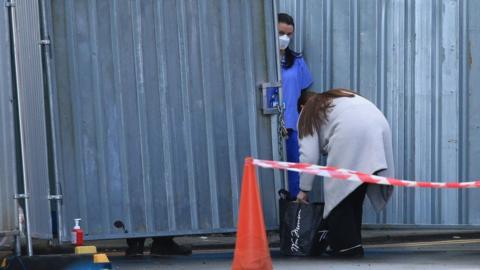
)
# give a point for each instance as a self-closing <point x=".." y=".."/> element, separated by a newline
<point x="270" y="97"/>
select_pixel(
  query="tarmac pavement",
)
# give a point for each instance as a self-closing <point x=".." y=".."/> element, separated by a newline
<point x="384" y="249"/>
<point x="443" y="254"/>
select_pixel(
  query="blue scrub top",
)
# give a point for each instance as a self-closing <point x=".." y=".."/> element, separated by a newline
<point x="294" y="80"/>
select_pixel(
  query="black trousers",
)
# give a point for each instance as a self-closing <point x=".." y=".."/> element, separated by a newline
<point x="345" y="221"/>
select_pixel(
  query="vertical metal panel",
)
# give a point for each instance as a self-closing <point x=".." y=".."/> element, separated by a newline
<point x="296" y="9"/>
<point x="31" y="108"/>
<point x="158" y="107"/>
<point x="471" y="102"/>
<point x="8" y="174"/>
<point x="416" y="60"/>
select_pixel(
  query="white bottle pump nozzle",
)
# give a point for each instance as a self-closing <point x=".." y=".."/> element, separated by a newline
<point x="77" y="223"/>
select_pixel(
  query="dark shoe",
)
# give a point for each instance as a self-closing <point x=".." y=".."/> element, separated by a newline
<point x="166" y="246"/>
<point x="135" y="247"/>
<point x="355" y="252"/>
<point x="133" y="252"/>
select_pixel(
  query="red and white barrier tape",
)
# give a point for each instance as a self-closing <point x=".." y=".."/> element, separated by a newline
<point x="344" y="174"/>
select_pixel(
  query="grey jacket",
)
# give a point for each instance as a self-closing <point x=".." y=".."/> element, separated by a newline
<point x="357" y="137"/>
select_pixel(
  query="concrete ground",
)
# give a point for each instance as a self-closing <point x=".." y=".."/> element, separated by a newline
<point x="450" y="254"/>
<point x="392" y="249"/>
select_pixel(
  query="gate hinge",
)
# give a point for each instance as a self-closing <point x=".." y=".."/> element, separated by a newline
<point x="21" y="196"/>
<point x="55" y="197"/>
<point x="44" y="42"/>
<point x="9" y="4"/>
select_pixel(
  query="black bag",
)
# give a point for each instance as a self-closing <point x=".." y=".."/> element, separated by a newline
<point x="300" y="228"/>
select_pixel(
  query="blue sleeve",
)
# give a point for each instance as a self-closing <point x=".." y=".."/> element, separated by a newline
<point x="305" y="76"/>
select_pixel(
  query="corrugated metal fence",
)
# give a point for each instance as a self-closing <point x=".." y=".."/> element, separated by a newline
<point x="8" y="171"/>
<point x="417" y="61"/>
<point x="156" y="105"/>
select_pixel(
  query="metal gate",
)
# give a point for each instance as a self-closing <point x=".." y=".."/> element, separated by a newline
<point x="155" y="105"/>
<point x="416" y="59"/>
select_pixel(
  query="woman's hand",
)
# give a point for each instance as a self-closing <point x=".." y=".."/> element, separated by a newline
<point x="302" y="197"/>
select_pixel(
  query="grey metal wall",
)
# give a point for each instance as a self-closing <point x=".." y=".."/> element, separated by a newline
<point x="156" y="107"/>
<point x="8" y="172"/>
<point x="417" y="60"/>
<point x="32" y="116"/>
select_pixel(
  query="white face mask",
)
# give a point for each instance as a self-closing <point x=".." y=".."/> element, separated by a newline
<point x="283" y="42"/>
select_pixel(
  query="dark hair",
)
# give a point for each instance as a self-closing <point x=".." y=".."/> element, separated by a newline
<point x="285" y="18"/>
<point x="289" y="54"/>
<point x="316" y="106"/>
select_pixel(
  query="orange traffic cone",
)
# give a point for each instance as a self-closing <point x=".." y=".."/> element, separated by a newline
<point x="251" y="247"/>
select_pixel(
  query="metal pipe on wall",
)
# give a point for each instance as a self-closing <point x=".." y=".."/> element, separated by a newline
<point x="8" y="76"/>
<point x="47" y="57"/>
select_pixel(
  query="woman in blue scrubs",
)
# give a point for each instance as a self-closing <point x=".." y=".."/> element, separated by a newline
<point x="296" y="77"/>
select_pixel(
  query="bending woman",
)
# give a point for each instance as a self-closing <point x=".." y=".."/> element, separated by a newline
<point x="355" y="135"/>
